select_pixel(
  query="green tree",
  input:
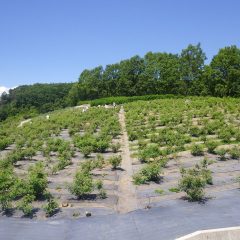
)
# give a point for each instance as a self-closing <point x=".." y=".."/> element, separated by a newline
<point x="191" y="65"/>
<point x="225" y="72"/>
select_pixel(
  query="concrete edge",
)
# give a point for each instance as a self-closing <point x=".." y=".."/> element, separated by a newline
<point x="217" y="230"/>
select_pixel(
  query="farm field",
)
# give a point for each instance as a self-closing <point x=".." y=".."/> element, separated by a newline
<point x="180" y="133"/>
<point x="107" y="160"/>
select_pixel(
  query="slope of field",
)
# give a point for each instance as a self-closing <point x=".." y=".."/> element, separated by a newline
<point x="180" y="133"/>
<point x="107" y="147"/>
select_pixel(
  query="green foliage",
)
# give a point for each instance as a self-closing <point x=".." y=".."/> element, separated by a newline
<point x="37" y="180"/>
<point x="225" y="135"/>
<point x="235" y="152"/>
<point x="132" y="136"/>
<point x="99" y="184"/>
<point x="159" y="191"/>
<point x="25" y="205"/>
<point x="82" y="184"/>
<point x="4" y="143"/>
<point x="99" y="162"/>
<point x="174" y="189"/>
<point x="211" y="146"/>
<point x="101" y="146"/>
<point x="156" y="76"/>
<point x="30" y="99"/>
<point x="51" y="207"/>
<point x="197" y="150"/>
<point x="150" y="172"/>
<point x="102" y="194"/>
<point x="7" y="180"/>
<point x="150" y="151"/>
<point x="194" y="180"/>
<point x="115" y="147"/>
<point x="115" y="161"/>
<point x="86" y="150"/>
<point x="222" y="153"/>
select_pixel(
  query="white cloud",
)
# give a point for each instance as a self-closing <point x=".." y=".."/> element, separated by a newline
<point x="3" y="89"/>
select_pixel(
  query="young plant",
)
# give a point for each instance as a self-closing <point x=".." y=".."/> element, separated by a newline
<point x="222" y="154"/>
<point x="159" y="191"/>
<point x="115" y="147"/>
<point x="174" y="189"/>
<point x="99" y="162"/>
<point x="25" y="204"/>
<point x="151" y="151"/>
<point x="86" y="150"/>
<point x="82" y="184"/>
<point x="115" y="161"/>
<point x="211" y="146"/>
<point x="150" y="172"/>
<point x="37" y="180"/>
<point x="51" y="207"/>
<point x="7" y="181"/>
<point x="197" y="150"/>
<point x="234" y="153"/>
<point x="192" y="184"/>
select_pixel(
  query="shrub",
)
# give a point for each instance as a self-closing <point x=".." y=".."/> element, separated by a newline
<point x="62" y="163"/>
<point x="99" y="184"/>
<point x="142" y="144"/>
<point x="37" y="180"/>
<point x="115" y="161"/>
<point x="150" y="172"/>
<point x="25" y="204"/>
<point x="211" y="146"/>
<point x="195" y="131"/>
<point x="51" y="207"/>
<point x="99" y="162"/>
<point x="102" y="194"/>
<point x="4" y="143"/>
<point x="82" y="184"/>
<point x="87" y="166"/>
<point x="139" y="179"/>
<point x="115" y="147"/>
<point x="99" y="187"/>
<point x="101" y="146"/>
<point x="151" y="151"/>
<point x="132" y="136"/>
<point x="86" y="150"/>
<point x="222" y="154"/>
<point x="7" y="180"/>
<point x="225" y="135"/>
<point x="206" y="173"/>
<point x="235" y="153"/>
<point x="193" y="184"/>
<point x="197" y="150"/>
<point x="194" y="180"/>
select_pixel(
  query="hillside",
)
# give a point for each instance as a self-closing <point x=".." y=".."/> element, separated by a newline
<point x="118" y="159"/>
<point x="37" y="98"/>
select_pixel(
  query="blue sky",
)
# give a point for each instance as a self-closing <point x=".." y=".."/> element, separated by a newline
<point x="54" y="40"/>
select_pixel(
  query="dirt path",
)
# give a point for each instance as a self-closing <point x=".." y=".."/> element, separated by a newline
<point x="127" y="192"/>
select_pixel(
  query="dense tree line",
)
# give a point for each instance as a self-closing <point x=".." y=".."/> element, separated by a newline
<point x="37" y="98"/>
<point x="163" y="73"/>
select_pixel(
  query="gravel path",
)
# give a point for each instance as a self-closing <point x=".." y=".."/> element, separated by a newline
<point x="127" y="192"/>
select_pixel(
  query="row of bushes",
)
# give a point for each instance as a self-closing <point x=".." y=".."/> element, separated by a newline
<point x="122" y="99"/>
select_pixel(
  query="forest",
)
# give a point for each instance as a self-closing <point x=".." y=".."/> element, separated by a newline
<point x="30" y="100"/>
<point x="158" y="73"/>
